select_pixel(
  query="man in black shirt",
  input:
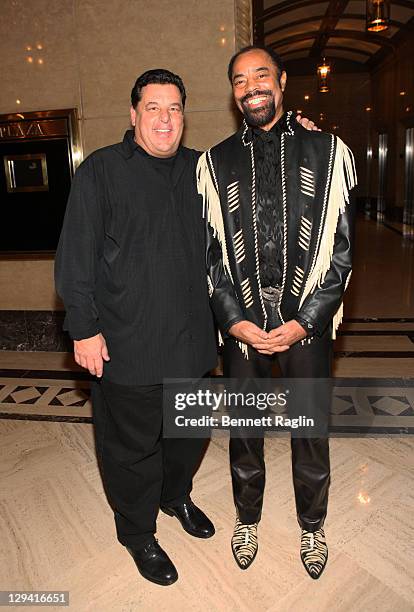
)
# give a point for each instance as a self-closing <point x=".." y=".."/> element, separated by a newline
<point x="130" y="268"/>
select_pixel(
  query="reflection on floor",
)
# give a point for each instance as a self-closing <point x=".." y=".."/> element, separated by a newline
<point x="58" y="532"/>
<point x="57" y="529"/>
<point x="382" y="284"/>
<point x="407" y="231"/>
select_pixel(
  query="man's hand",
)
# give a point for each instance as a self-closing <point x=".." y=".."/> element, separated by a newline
<point x="308" y="124"/>
<point x="248" y="332"/>
<point x="281" y="338"/>
<point x="90" y="353"/>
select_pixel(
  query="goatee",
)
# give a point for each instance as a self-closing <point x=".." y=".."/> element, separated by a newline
<point x="260" y="116"/>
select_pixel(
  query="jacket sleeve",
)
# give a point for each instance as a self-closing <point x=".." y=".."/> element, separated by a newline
<point x="320" y="306"/>
<point x="78" y="253"/>
<point x="223" y="298"/>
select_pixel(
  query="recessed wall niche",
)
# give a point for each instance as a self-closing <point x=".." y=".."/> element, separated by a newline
<point x="39" y="152"/>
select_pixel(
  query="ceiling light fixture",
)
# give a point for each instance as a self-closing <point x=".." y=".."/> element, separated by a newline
<point x="378" y="15"/>
<point x="323" y="71"/>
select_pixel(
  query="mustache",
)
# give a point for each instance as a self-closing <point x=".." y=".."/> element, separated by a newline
<point x="256" y="92"/>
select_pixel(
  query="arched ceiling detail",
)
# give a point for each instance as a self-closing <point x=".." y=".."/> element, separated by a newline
<point x="312" y="29"/>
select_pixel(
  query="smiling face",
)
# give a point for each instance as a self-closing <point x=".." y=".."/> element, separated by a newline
<point x="257" y="90"/>
<point x="158" y="119"/>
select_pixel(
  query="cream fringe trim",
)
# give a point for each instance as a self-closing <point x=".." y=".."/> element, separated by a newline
<point x="212" y="208"/>
<point x="337" y="320"/>
<point x="210" y="286"/>
<point x="338" y="316"/>
<point x="343" y="180"/>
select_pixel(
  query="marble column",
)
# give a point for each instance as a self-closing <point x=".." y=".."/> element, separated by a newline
<point x="243" y="23"/>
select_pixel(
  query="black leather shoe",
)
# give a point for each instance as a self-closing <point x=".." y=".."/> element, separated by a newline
<point x="192" y="519"/>
<point x="154" y="564"/>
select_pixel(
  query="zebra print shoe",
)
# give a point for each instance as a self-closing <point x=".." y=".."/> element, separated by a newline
<point x="314" y="552"/>
<point x="244" y="543"/>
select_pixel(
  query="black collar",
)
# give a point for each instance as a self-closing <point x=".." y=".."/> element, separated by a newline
<point x="129" y="147"/>
<point x="288" y="127"/>
<point x="274" y="132"/>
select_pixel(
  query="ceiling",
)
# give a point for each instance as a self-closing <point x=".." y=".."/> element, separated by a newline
<point x="304" y="31"/>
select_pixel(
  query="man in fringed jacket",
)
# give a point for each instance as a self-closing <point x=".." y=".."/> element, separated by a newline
<point x="276" y="198"/>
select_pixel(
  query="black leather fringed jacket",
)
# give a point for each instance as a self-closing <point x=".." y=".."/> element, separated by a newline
<point x="317" y="173"/>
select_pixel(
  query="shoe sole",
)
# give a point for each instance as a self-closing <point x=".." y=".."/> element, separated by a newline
<point x="159" y="582"/>
<point x="244" y="567"/>
<point x="191" y="533"/>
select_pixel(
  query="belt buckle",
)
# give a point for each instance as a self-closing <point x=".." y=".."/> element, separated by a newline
<point x="271" y="294"/>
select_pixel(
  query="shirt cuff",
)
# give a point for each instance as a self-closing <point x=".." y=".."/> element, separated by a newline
<point x="233" y="322"/>
<point x="309" y="328"/>
<point x="81" y="331"/>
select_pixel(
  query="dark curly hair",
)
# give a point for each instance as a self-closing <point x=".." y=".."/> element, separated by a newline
<point x="160" y="76"/>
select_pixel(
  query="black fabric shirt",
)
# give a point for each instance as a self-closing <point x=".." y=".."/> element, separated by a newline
<point x="269" y="217"/>
<point x="163" y="165"/>
<point x="131" y="264"/>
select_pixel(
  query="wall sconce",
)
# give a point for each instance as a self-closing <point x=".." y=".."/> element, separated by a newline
<point x="323" y="71"/>
<point x="378" y="15"/>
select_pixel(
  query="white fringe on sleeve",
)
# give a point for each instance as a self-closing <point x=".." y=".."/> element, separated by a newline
<point x="343" y="180"/>
<point x="212" y="210"/>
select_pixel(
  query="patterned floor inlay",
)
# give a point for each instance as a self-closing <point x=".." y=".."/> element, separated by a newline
<point x="365" y="406"/>
<point x="45" y="399"/>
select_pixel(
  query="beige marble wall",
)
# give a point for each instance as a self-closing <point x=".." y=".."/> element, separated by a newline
<point x="90" y="53"/>
<point x="27" y="285"/>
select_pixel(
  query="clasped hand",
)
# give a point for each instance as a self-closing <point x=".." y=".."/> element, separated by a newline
<point x="276" y="341"/>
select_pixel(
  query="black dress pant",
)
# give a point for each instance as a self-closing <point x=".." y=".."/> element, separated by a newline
<point x="140" y="469"/>
<point x="310" y="456"/>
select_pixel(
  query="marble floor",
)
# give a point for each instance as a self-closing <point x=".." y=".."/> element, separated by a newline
<point x="57" y="531"/>
<point x="382" y="284"/>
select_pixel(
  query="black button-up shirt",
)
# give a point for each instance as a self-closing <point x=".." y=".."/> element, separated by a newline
<point x="131" y="264"/>
<point x="269" y="215"/>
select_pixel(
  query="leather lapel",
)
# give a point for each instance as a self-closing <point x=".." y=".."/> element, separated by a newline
<point x="236" y="190"/>
<point x="305" y="174"/>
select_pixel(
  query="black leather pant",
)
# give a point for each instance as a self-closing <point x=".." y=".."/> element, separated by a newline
<point x="310" y="456"/>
